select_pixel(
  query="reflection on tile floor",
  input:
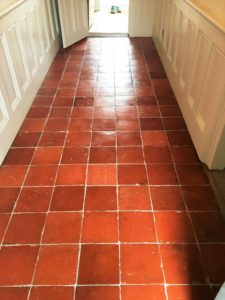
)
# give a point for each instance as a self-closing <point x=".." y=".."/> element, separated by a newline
<point x="102" y="193"/>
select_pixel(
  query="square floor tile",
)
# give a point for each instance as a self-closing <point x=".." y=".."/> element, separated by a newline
<point x="67" y="198"/>
<point x="56" y="265"/>
<point x="52" y="138"/>
<point x="143" y="292"/>
<point x="53" y="292"/>
<point x="56" y="124"/>
<point x="161" y="174"/>
<point x="130" y="155"/>
<point x="62" y="227"/>
<point x="129" y="139"/>
<point x="25" y="229"/>
<point x="134" y="198"/>
<point x="104" y="112"/>
<point x="60" y="112"/>
<point x="78" y="139"/>
<point x="125" y="100"/>
<point x="191" y="174"/>
<point x="186" y="292"/>
<point x="71" y="175"/>
<point x="104" y="138"/>
<point x="34" y="199"/>
<point x="38" y="112"/>
<point x="101" y="174"/>
<point x="104" y="101"/>
<point x="182" y="264"/>
<point x="154" y="138"/>
<point x="26" y="139"/>
<point x="80" y="125"/>
<point x="157" y="154"/>
<point x="177" y="137"/>
<point x="151" y="124"/>
<point x="209" y="226"/>
<point x="11" y="293"/>
<point x="82" y="113"/>
<point x="47" y="156"/>
<point x="127" y="124"/>
<point x="147" y="100"/>
<point x="19" y="261"/>
<point x="74" y="155"/>
<point x="100" y="227"/>
<point x="41" y="175"/>
<point x="97" y="293"/>
<point x="170" y="111"/>
<point x="132" y="174"/>
<point x="167" y="198"/>
<point x="140" y="264"/>
<point x="136" y="227"/>
<point x="8" y="198"/>
<point x="4" y="220"/>
<point x="104" y="125"/>
<point x="33" y="125"/>
<point x="101" y="198"/>
<point x="214" y="259"/>
<point x="19" y="156"/>
<point x="179" y="229"/>
<point x="99" y="264"/>
<point x="84" y="101"/>
<point x="174" y="123"/>
<point x="12" y="175"/>
<point x="99" y="155"/>
<point x="199" y="198"/>
<point x="148" y="111"/>
<point x="184" y="154"/>
<point x="126" y="112"/>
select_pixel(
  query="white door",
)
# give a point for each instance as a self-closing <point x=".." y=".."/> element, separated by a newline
<point x="141" y="13"/>
<point x="73" y="16"/>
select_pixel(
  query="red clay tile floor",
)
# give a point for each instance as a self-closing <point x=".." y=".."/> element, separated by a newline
<point x="102" y="194"/>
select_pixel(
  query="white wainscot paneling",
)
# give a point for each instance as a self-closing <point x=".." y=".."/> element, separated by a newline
<point x="192" y="50"/>
<point x="28" y="45"/>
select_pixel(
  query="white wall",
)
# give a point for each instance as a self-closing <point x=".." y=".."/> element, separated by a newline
<point x="28" y="45"/>
<point x="192" y="50"/>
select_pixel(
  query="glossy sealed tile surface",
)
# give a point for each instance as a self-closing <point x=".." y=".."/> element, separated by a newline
<point x="102" y="195"/>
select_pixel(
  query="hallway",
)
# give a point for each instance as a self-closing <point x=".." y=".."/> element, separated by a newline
<point x="102" y="194"/>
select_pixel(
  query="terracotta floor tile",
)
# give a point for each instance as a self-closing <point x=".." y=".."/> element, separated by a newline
<point x="151" y="124"/>
<point x="14" y="293"/>
<point x="179" y="229"/>
<point x="67" y="198"/>
<point x="138" y="174"/>
<point x="101" y="198"/>
<point x="97" y="293"/>
<point x="147" y="100"/>
<point x="71" y="175"/>
<point x="8" y="198"/>
<point x="174" y="123"/>
<point x="60" y="112"/>
<point x="127" y="124"/>
<point x="62" y="227"/>
<point x="182" y="264"/>
<point x="148" y="111"/>
<point x="100" y="155"/>
<point x="126" y="112"/>
<point x="104" y="101"/>
<point x="99" y="264"/>
<point x="209" y="226"/>
<point x="53" y="292"/>
<point x="130" y="155"/>
<point x="161" y="174"/>
<point x="157" y="154"/>
<point x="143" y="292"/>
<point x="154" y="138"/>
<point x="179" y="138"/>
<point x="41" y="175"/>
<point x="125" y="100"/>
<point x="19" y="261"/>
<point x="184" y="154"/>
<point x="52" y="139"/>
<point x="74" y="155"/>
<point x="56" y="265"/>
<point x="33" y="125"/>
<point x="214" y="259"/>
<point x="101" y="174"/>
<point x="12" y="175"/>
<point x="104" y="138"/>
<point x="134" y="198"/>
<point x="140" y="264"/>
<point x="4" y="220"/>
<point x="42" y="101"/>
<point x="136" y="227"/>
<point x="170" y="111"/>
<point x="143" y="91"/>
<point x="84" y="101"/>
<point x="80" y="125"/>
<point x="187" y="292"/>
<point x="167" y="198"/>
<point x="104" y="125"/>
<point x="104" y="112"/>
<point x="56" y="125"/>
<point x="78" y="139"/>
<point x="38" y="112"/>
<point x="47" y="156"/>
<point x="19" y="156"/>
<point x="100" y="227"/>
<point x="82" y="113"/>
<point x="25" y="229"/>
<point x="129" y="139"/>
<point x="199" y="198"/>
<point x="191" y="174"/>
<point x="26" y="139"/>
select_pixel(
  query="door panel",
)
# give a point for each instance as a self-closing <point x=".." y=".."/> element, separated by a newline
<point x="74" y="20"/>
